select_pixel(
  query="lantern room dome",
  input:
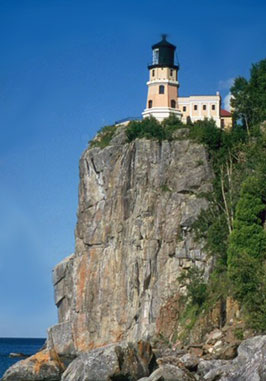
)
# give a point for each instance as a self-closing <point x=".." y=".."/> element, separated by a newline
<point x="163" y="54"/>
<point x="163" y="43"/>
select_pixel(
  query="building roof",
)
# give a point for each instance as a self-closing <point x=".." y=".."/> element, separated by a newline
<point x="225" y="113"/>
<point x="128" y="119"/>
<point x="163" y="43"/>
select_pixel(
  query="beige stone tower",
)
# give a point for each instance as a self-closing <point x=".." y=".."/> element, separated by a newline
<point x="163" y="82"/>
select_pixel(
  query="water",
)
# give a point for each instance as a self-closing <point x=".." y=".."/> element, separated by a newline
<point x="18" y="345"/>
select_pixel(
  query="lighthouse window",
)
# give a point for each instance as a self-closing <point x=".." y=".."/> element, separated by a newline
<point x="195" y="107"/>
<point x="161" y="89"/>
<point x="171" y="72"/>
<point x="173" y="103"/>
<point x="155" y="57"/>
<point x="150" y="104"/>
<point x="153" y="73"/>
<point x="213" y="107"/>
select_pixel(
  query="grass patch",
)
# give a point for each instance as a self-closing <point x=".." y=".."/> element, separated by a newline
<point x="188" y="320"/>
<point x="239" y="333"/>
<point x="104" y="137"/>
<point x="165" y="188"/>
<point x="199" y="163"/>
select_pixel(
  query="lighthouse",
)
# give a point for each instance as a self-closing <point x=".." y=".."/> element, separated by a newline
<point x="162" y="99"/>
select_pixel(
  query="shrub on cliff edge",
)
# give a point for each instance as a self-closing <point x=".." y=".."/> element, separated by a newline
<point x="150" y="128"/>
<point x="103" y="137"/>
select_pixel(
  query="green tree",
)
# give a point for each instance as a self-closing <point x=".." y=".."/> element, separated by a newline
<point x="249" y="97"/>
<point x="240" y="101"/>
<point x="247" y="251"/>
<point x="257" y="89"/>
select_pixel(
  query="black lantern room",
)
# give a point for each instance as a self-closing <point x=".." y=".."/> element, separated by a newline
<point x="163" y="54"/>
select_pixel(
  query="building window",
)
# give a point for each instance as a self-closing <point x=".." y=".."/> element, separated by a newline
<point x="184" y="108"/>
<point x="161" y="89"/>
<point x="171" y="72"/>
<point x="204" y="107"/>
<point x="150" y="104"/>
<point x="173" y="103"/>
<point x="153" y="73"/>
<point x="195" y="107"/>
<point x="222" y="123"/>
<point x="213" y="107"/>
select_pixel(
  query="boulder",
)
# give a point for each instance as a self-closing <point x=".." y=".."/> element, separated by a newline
<point x="249" y="365"/>
<point x="190" y="362"/>
<point x="113" y="362"/>
<point x="19" y="354"/>
<point x="205" y="366"/>
<point x="170" y="372"/>
<point x="60" y="340"/>
<point x="214" y="336"/>
<point x="226" y="352"/>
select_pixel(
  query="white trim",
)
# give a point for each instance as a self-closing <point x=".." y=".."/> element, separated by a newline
<point x="158" y="81"/>
<point x="160" y="113"/>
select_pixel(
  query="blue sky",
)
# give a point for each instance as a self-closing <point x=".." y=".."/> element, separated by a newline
<point x="67" y="68"/>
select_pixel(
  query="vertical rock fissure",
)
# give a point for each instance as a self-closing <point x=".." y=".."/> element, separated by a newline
<point x="94" y="166"/>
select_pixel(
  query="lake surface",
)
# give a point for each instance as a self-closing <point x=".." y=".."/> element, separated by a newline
<point x="17" y="345"/>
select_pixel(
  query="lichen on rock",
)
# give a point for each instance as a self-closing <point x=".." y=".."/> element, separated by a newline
<point x="43" y="366"/>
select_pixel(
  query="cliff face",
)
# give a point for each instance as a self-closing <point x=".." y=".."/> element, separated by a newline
<point x="120" y="291"/>
<point x="137" y="203"/>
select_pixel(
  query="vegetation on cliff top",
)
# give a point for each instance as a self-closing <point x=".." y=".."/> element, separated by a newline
<point x="103" y="137"/>
<point x="150" y="128"/>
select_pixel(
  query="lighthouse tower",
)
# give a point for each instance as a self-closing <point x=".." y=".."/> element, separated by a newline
<point x="163" y="82"/>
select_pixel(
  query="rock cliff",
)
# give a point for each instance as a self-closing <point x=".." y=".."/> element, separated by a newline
<point x="137" y="202"/>
<point x="120" y="289"/>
